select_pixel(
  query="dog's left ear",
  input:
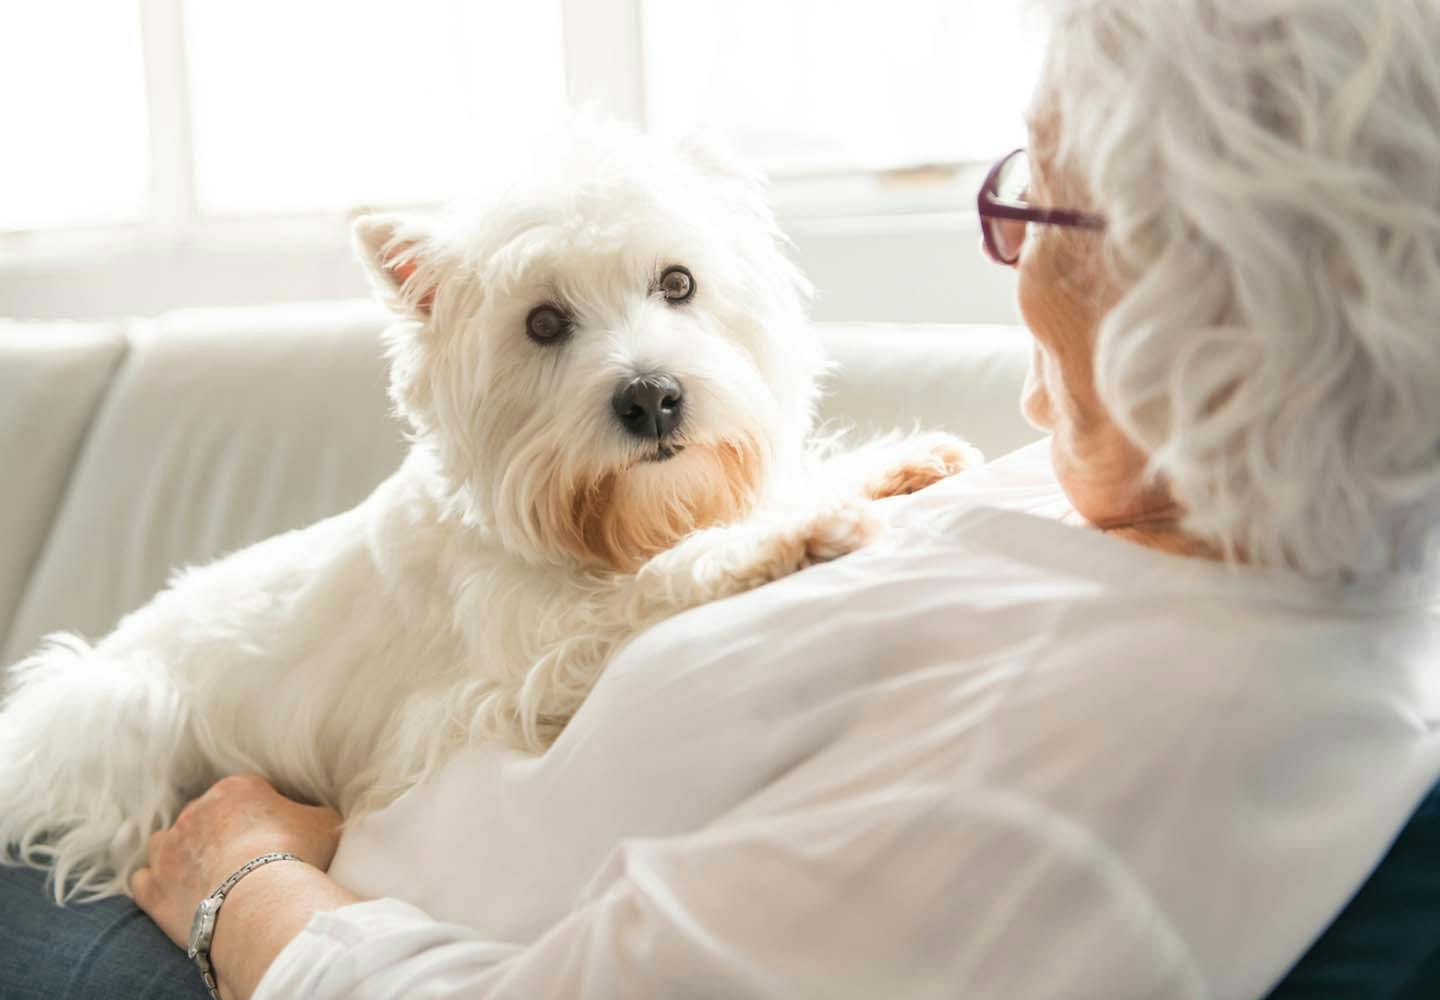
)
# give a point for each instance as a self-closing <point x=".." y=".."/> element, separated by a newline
<point x="401" y="260"/>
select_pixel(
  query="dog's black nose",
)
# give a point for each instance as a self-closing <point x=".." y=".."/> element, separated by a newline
<point x="649" y="406"/>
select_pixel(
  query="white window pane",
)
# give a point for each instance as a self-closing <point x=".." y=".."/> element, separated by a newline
<point x="72" y="115"/>
<point x="328" y="104"/>
<point x="812" y="85"/>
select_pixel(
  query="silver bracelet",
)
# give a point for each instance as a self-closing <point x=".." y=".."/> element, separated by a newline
<point x="202" y="928"/>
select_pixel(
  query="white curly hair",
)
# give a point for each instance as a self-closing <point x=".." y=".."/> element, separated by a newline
<point x="1270" y="170"/>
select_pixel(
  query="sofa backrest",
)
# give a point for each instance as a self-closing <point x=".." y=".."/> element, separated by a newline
<point x="52" y="378"/>
<point x="219" y="429"/>
<point x="222" y="427"/>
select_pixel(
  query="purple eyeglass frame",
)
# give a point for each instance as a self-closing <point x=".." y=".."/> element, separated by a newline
<point x="992" y="206"/>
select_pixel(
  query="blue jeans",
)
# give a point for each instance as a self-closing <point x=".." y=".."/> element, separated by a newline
<point x="108" y="950"/>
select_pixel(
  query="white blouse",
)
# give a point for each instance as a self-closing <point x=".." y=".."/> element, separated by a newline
<point x="992" y="755"/>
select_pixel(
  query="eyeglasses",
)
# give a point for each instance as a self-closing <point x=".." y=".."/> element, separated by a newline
<point x="1004" y="213"/>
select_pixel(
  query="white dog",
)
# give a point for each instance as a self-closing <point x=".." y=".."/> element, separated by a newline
<point x="610" y="382"/>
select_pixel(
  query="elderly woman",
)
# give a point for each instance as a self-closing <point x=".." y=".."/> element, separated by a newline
<point x="1132" y="716"/>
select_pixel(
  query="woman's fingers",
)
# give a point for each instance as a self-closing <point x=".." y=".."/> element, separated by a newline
<point x="142" y="885"/>
<point x="170" y="914"/>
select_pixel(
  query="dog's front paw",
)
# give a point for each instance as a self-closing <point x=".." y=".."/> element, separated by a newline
<point x="836" y="532"/>
<point x="722" y="562"/>
<point x="921" y="461"/>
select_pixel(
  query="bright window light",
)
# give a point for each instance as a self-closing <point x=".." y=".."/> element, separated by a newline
<point x="326" y="105"/>
<point x="808" y="86"/>
<point x="73" y="114"/>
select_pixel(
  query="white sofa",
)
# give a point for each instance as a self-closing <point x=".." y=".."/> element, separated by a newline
<point x="131" y="448"/>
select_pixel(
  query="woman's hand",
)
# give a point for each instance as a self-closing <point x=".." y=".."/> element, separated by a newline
<point x="238" y="819"/>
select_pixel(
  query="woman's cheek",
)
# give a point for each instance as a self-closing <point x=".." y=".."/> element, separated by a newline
<point x="1036" y="293"/>
<point x="1033" y="281"/>
<point x="1035" y="402"/>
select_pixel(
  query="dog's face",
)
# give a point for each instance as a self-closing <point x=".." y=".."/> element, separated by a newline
<point x="610" y="356"/>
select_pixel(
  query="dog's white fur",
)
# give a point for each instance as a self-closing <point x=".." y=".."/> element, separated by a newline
<point x="479" y="592"/>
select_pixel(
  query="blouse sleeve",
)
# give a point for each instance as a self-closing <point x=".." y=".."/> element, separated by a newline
<point x="934" y="892"/>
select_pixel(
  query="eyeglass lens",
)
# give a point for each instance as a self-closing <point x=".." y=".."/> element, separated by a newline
<point x="1012" y="185"/>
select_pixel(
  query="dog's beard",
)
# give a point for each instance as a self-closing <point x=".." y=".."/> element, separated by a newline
<point x="618" y="518"/>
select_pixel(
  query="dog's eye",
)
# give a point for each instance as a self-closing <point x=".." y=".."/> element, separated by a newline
<point x="546" y="324"/>
<point x="677" y="284"/>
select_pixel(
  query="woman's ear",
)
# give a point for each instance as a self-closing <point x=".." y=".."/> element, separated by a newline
<point x="401" y="260"/>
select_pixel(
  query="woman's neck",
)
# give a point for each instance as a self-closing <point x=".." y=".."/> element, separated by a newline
<point x="1104" y="476"/>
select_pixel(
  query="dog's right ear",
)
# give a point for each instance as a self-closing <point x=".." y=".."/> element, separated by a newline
<point x="401" y="261"/>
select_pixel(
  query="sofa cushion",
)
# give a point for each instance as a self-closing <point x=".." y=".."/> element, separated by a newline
<point x="964" y="379"/>
<point x="52" y="378"/>
<point x="222" y="428"/>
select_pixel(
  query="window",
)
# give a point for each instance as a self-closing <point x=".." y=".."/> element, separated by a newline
<point x="819" y="86"/>
<point x="73" y="115"/>
<point x="324" y="105"/>
<point x="168" y="153"/>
